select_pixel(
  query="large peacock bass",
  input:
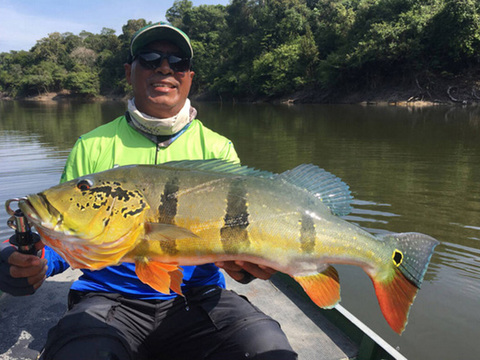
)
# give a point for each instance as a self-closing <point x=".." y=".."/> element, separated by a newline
<point x="195" y="212"/>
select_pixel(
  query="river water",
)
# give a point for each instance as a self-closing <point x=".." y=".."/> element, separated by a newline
<point x="410" y="169"/>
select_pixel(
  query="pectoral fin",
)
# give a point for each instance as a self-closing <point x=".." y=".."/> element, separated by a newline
<point x="323" y="288"/>
<point x="157" y="231"/>
<point x="161" y="277"/>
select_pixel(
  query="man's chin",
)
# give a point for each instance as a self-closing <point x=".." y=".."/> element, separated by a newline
<point x="162" y="106"/>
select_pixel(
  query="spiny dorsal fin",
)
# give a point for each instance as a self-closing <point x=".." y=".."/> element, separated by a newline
<point x="217" y="165"/>
<point x="331" y="190"/>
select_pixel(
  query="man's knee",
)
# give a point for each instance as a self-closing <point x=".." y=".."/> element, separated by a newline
<point x="88" y="347"/>
<point x="259" y="340"/>
<point x="267" y="341"/>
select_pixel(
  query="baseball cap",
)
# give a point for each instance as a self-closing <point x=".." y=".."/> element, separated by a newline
<point x="160" y="31"/>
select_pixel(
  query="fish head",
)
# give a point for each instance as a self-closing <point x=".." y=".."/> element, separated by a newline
<point x="91" y="210"/>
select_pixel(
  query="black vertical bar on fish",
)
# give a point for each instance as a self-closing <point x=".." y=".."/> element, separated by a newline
<point x="167" y="211"/>
<point x="234" y="233"/>
<point x="307" y="234"/>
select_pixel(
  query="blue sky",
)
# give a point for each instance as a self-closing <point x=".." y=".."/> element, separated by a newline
<point x="23" y="22"/>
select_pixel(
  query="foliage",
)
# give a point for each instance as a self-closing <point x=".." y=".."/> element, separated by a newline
<point x="266" y="48"/>
<point x="83" y="81"/>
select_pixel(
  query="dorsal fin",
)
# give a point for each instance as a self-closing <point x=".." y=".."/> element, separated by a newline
<point x="331" y="190"/>
<point x="218" y="165"/>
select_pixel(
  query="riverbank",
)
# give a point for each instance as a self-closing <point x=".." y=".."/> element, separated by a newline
<point x="420" y="90"/>
<point x="424" y="90"/>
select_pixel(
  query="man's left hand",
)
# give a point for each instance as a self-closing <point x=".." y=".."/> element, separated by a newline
<point x="244" y="272"/>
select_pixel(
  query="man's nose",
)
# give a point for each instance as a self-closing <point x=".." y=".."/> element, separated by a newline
<point x="164" y="68"/>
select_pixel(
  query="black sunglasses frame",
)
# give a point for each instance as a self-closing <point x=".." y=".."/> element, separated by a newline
<point x="152" y="60"/>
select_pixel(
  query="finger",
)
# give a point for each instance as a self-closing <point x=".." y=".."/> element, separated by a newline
<point x="28" y="271"/>
<point x="235" y="275"/>
<point x="267" y="269"/>
<point x="34" y="279"/>
<point x="228" y="265"/>
<point x="39" y="245"/>
<point x="256" y="271"/>
<point x="23" y="260"/>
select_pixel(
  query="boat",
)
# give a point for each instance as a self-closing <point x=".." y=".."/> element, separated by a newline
<point x="315" y="333"/>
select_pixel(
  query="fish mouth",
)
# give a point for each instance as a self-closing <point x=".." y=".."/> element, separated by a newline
<point x="39" y="211"/>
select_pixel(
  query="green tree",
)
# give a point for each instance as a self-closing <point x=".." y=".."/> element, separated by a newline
<point x="83" y="81"/>
<point x="206" y="25"/>
<point x="42" y="78"/>
<point x="51" y="48"/>
<point x="276" y="72"/>
<point x="178" y="10"/>
<point x="452" y="38"/>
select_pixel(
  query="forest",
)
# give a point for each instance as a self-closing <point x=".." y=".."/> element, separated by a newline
<point x="254" y="50"/>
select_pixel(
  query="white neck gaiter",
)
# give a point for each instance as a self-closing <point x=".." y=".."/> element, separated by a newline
<point x="155" y="126"/>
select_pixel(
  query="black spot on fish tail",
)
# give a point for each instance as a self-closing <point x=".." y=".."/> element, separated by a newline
<point x="169" y="202"/>
<point x="234" y="233"/>
<point x="307" y="234"/>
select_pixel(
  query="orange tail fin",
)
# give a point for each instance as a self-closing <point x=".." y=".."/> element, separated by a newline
<point x="397" y="287"/>
<point x="395" y="298"/>
<point x="161" y="277"/>
<point x="323" y="288"/>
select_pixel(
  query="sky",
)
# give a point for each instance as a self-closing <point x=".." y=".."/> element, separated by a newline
<point x="23" y="22"/>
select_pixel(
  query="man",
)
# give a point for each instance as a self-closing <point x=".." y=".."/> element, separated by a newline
<point x="112" y="314"/>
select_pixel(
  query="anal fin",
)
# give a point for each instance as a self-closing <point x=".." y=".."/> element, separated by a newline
<point x="161" y="277"/>
<point x="323" y="288"/>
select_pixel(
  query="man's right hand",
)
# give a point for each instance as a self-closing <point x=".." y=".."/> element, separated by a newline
<point x="20" y="274"/>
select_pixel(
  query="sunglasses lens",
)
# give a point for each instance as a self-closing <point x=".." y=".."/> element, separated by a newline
<point x="178" y="64"/>
<point x="153" y="60"/>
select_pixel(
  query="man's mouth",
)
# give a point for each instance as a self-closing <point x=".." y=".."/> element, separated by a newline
<point x="163" y="86"/>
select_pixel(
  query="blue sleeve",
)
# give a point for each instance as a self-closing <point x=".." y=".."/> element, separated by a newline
<point x="56" y="264"/>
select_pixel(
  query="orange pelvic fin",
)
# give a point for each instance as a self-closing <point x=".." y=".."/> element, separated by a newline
<point x="395" y="296"/>
<point x="323" y="288"/>
<point x="161" y="277"/>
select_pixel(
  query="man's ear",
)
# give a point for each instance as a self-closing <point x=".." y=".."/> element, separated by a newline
<point x="128" y="73"/>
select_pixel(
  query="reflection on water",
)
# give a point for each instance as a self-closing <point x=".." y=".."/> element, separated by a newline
<point x="409" y="170"/>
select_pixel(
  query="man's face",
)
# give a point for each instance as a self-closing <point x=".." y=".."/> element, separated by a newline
<point x="160" y="93"/>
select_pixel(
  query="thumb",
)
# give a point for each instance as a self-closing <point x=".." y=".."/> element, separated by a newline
<point x="39" y="245"/>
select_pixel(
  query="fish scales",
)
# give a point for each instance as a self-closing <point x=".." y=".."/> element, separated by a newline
<point x="195" y="212"/>
<point x="236" y="219"/>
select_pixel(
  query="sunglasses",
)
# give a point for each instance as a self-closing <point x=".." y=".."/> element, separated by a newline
<point x="153" y="59"/>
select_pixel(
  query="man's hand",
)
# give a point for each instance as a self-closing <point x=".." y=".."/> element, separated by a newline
<point x="20" y="274"/>
<point x="244" y="272"/>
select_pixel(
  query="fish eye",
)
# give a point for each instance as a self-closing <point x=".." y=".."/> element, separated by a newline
<point x="84" y="184"/>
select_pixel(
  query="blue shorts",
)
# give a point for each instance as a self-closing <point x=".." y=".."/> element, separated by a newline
<point x="209" y="323"/>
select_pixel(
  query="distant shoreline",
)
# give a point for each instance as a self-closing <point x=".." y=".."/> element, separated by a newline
<point x="440" y="91"/>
